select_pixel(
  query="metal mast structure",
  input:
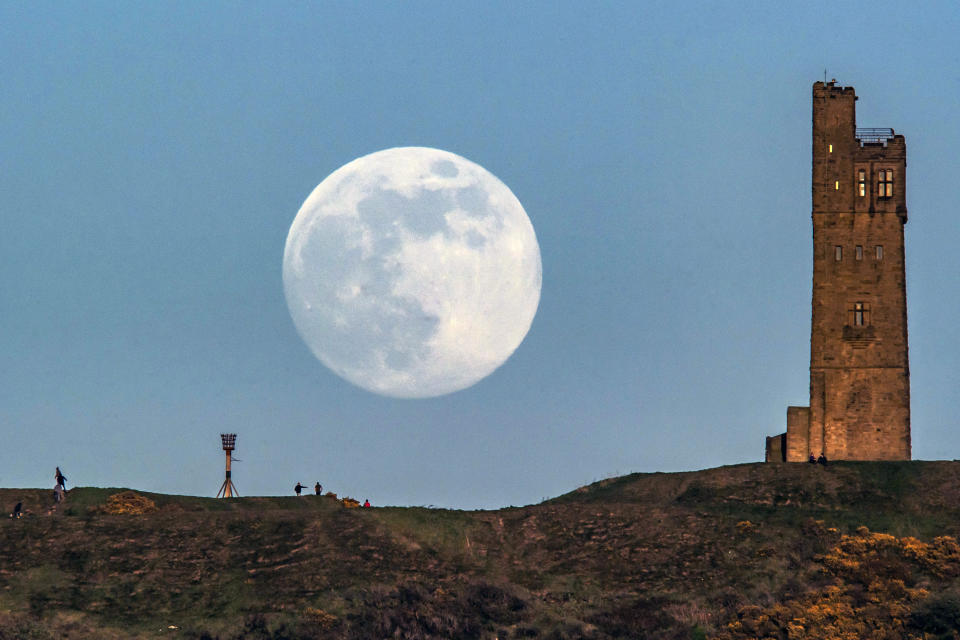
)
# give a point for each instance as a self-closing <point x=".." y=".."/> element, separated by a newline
<point x="227" y="488"/>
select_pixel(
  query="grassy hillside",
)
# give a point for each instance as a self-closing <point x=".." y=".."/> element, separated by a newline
<point x="660" y="556"/>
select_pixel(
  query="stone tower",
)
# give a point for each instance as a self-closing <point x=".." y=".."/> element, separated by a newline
<point x="859" y="372"/>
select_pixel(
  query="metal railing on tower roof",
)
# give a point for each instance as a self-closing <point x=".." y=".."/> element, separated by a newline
<point x="874" y="134"/>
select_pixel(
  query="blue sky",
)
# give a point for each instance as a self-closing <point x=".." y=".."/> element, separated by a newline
<point x="154" y="155"/>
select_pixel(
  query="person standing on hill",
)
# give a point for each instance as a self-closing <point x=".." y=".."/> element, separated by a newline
<point x="61" y="479"/>
<point x="366" y="502"/>
<point x="318" y="488"/>
<point x="298" y="488"/>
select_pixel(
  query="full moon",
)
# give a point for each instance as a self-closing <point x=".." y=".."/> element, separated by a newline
<point x="412" y="272"/>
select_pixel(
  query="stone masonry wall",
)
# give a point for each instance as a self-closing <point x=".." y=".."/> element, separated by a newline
<point x="859" y="382"/>
<point x="859" y="370"/>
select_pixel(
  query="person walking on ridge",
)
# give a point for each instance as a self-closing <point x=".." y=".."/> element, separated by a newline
<point x="318" y="488"/>
<point x="61" y="479"/>
<point x="298" y="488"/>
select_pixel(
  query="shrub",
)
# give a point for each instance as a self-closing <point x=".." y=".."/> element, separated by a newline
<point x="745" y="527"/>
<point x="19" y="627"/>
<point x="938" y="614"/>
<point x="128" y="503"/>
<point x="39" y="602"/>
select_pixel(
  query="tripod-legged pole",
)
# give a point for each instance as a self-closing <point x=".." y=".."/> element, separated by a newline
<point x="227" y="488"/>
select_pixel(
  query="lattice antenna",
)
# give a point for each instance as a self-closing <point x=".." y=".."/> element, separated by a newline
<point x="227" y="489"/>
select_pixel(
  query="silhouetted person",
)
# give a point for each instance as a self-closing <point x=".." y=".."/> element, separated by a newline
<point x="822" y="459"/>
<point x="61" y="479"/>
<point x="317" y="488"/>
<point x="366" y="503"/>
<point x="298" y="488"/>
<point x="813" y="459"/>
<point x="17" y="511"/>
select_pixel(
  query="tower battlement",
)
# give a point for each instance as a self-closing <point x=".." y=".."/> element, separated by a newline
<point x="832" y="88"/>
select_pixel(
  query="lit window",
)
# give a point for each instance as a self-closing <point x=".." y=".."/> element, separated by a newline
<point x="879" y="252"/>
<point x="836" y="185"/>
<point x="885" y="183"/>
<point x="862" y="182"/>
<point x="838" y="253"/>
<point x="859" y="252"/>
<point x="830" y="148"/>
<point x="859" y="314"/>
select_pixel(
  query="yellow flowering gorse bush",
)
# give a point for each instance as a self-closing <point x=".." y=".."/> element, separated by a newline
<point x="870" y="598"/>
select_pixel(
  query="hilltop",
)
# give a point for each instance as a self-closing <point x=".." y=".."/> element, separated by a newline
<point x="733" y="552"/>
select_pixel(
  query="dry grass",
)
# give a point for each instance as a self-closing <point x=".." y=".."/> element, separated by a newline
<point x="655" y="556"/>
